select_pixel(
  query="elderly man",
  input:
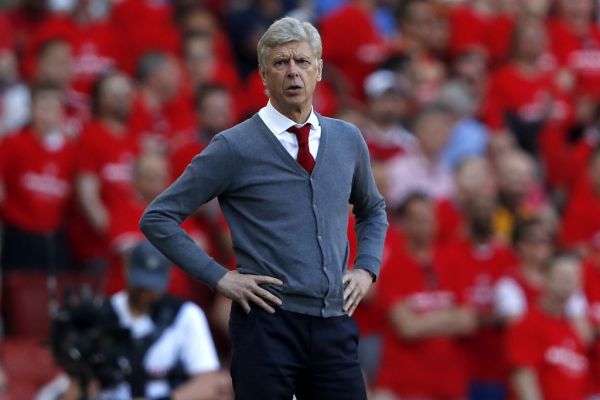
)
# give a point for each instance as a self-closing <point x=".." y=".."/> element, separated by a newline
<point x="284" y="179"/>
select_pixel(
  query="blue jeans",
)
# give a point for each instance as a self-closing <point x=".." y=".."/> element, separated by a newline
<point x="486" y="391"/>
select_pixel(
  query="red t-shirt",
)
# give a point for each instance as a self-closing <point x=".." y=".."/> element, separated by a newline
<point x="433" y="366"/>
<point x="581" y="219"/>
<point x="37" y="179"/>
<point x="110" y="158"/>
<point x="368" y="315"/>
<point x="483" y="265"/>
<point x="451" y="221"/>
<point x="124" y="232"/>
<point x="581" y="55"/>
<point x="144" y="26"/>
<point x="352" y="44"/>
<point x="171" y="124"/>
<point x="467" y="29"/>
<point x="526" y="96"/>
<point x="551" y="347"/>
<point x="591" y="287"/>
<point x="94" y="47"/>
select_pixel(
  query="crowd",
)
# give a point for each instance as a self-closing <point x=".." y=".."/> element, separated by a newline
<point x="483" y="122"/>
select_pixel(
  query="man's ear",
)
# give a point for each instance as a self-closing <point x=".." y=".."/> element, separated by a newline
<point x="263" y="74"/>
<point x="320" y="70"/>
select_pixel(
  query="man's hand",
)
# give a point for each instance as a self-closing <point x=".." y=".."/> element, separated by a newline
<point x="356" y="282"/>
<point x="245" y="289"/>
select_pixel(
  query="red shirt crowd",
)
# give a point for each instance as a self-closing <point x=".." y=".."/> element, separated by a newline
<point x="496" y="101"/>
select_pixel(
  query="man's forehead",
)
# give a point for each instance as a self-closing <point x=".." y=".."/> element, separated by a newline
<point x="292" y="49"/>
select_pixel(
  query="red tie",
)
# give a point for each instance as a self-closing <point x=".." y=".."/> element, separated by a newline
<point x="305" y="159"/>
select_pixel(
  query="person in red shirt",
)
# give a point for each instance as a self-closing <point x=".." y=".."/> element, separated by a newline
<point x="591" y="287"/>
<point x="522" y="95"/>
<point x="473" y="177"/>
<point x="143" y="26"/>
<point x="575" y="42"/>
<point x="581" y="219"/>
<point x="352" y="42"/>
<point x="546" y="355"/>
<point x="214" y="110"/>
<point x="204" y="67"/>
<point x="54" y="66"/>
<point x="426" y="315"/>
<point x="150" y="177"/>
<point x="36" y="170"/>
<point x="93" y="43"/>
<point x="106" y="152"/>
<point x="484" y="260"/>
<point x="161" y="112"/>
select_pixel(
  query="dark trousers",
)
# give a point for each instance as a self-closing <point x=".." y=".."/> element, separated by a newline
<point x="23" y="250"/>
<point x="278" y="355"/>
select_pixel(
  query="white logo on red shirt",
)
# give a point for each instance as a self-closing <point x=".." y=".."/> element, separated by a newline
<point x="46" y="184"/>
<point x="568" y="359"/>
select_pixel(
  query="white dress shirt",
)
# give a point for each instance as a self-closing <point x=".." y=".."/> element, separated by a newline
<point x="279" y="124"/>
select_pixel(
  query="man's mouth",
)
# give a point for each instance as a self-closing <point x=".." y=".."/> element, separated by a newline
<point x="293" y="89"/>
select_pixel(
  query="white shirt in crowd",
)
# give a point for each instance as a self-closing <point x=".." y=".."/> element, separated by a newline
<point x="510" y="300"/>
<point x="279" y="124"/>
<point x="187" y="340"/>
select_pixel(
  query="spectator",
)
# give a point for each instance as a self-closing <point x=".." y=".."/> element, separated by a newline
<point x="575" y="42"/>
<point x="473" y="178"/>
<point x="426" y="314"/>
<point x="422" y="170"/>
<point x="545" y="353"/>
<point x="521" y="194"/>
<point x="214" y="110"/>
<point x="581" y="221"/>
<point x="522" y="95"/>
<point x="352" y="43"/>
<point x="484" y="260"/>
<point x="55" y="67"/>
<point x="14" y="94"/>
<point x="150" y="122"/>
<point x="106" y="152"/>
<point x="468" y="136"/>
<point x="387" y="107"/>
<point x="521" y="289"/>
<point x="173" y="354"/>
<point x="154" y="30"/>
<point x="204" y="67"/>
<point x="591" y="287"/>
<point x="93" y="44"/>
<point x="36" y="170"/>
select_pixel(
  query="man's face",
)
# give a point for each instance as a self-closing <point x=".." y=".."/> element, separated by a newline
<point x="290" y="74"/>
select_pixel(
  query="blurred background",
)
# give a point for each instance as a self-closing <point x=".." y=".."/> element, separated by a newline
<point x="483" y="123"/>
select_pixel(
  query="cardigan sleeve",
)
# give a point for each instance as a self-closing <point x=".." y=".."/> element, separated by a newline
<point x="209" y="175"/>
<point x="369" y="212"/>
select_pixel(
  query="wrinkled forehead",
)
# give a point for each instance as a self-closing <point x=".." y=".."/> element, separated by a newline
<point x="293" y="49"/>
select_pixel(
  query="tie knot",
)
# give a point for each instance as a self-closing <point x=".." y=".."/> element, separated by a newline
<point x="301" y="133"/>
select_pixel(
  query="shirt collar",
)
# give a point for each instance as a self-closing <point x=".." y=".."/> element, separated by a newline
<point x="280" y="123"/>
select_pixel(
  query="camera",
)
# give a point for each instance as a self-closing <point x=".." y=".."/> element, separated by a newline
<point x="88" y="342"/>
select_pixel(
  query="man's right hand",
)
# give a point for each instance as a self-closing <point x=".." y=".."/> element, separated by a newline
<point x="244" y="289"/>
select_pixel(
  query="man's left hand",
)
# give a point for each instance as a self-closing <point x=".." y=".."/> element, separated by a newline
<point x="356" y="285"/>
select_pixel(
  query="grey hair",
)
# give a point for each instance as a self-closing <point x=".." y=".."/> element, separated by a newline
<point x="287" y="30"/>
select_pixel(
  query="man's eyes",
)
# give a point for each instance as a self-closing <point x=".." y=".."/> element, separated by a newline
<point x="280" y="63"/>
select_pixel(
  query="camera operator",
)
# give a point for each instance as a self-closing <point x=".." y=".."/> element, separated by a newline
<point x="173" y="356"/>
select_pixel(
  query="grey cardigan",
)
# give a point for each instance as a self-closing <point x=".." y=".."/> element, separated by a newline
<point x="284" y="222"/>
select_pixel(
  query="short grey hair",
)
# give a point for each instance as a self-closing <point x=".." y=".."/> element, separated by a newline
<point x="287" y="30"/>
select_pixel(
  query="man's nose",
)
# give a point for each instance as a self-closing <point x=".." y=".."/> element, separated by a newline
<point x="292" y="68"/>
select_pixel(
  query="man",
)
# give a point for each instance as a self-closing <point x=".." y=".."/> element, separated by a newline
<point x="36" y="170"/>
<point x="426" y="314"/>
<point x="106" y="153"/>
<point x="172" y="354"/>
<point x="545" y="352"/>
<point x="286" y="204"/>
